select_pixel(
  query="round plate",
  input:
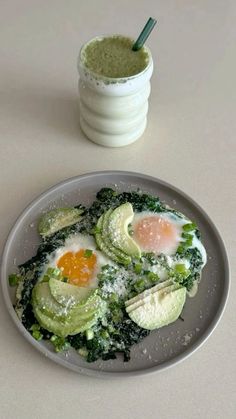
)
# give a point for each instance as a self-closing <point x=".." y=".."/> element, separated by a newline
<point x="163" y="347"/>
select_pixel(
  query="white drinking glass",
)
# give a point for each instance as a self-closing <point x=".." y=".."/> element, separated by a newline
<point x="113" y="111"/>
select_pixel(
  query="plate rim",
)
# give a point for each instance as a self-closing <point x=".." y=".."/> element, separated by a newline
<point x="114" y="374"/>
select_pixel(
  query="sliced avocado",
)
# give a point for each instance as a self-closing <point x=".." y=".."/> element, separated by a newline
<point x="94" y="305"/>
<point x="101" y="243"/>
<point x="163" y="290"/>
<point x="55" y="220"/>
<point x="160" y="310"/>
<point x="105" y="244"/>
<point x="80" y="324"/>
<point x="64" y="329"/>
<point x="52" y="325"/>
<point x="122" y="256"/>
<point x="63" y="321"/>
<point x="69" y="295"/>
<point x="147" y="292"/>
<point x="83" y="325"/>
<point x="43" y="299"/>
<point x="117" y="230"/>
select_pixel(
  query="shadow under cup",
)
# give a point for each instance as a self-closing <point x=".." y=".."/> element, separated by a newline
<point x="113" y="111"/>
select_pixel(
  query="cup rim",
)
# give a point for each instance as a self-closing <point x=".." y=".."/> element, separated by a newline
<point x="80" y="63"/>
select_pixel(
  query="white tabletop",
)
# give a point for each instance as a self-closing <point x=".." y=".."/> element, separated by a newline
<point x="189" y="142"/>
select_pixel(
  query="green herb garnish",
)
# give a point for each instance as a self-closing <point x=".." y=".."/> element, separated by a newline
<point x="189" y="227"/>
<point x="88" y="253"/>
<point x="14" y="279"/>
<point x="60" y="344"/>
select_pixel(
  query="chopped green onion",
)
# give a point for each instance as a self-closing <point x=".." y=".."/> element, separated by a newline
<point x="180" y="249"/>
<point x="189" y="227"/>
<point x="52" y="273"/>
<point x="37" y="335"/>
<point x="187" y="235"/>
<point x="179" y="272"/>
<point x="35" y="327"/>
<point x="14" y="279"/>
<point x="180" y="268"/>
<point x="138" y="268"/>
<point x="189" y="242"/>
<point x="153" y="276"/>
<point x="139" y="285"/>
<point x="88" y="253"/>
<point x="186" y="243"/>
<point x="60" y="344"/>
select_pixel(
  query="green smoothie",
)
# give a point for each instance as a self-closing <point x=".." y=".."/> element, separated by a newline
<point x="113" y="57"/>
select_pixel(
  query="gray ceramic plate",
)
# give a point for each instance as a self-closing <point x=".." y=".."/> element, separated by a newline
<point x="164" y="347"/>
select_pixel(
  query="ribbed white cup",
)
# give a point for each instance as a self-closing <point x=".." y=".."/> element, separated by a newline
<point x="113" y="111"/>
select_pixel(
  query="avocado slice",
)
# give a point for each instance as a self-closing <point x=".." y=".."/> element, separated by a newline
<point x="163" y="290"/>
<point x="160" y="310"/>
<point x="147" y="292"/>
<point x="117" y="230"/>
<point x="101" y="243"/>
<point x="79" y="322"/>
<point x="43" y="299"/>
<point x="52" y="325"/>
<point x="69" y="295"/>
<point x="55" y="220"/>
<point x="104" y="243"/>
<point x="63" y="320"/>
<point x="64" y="329"/>
<point x="122" y="256"/>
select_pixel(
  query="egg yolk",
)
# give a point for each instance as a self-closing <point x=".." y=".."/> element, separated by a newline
<point x="156" y="234"/>
<point x="77" y="267"/>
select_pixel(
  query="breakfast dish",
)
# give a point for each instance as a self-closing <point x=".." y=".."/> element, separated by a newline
<point x="114" y="272"/>
<point x="104" y="276"/>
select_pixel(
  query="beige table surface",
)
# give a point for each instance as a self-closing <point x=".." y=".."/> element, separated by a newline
<point x="189" y="142"/>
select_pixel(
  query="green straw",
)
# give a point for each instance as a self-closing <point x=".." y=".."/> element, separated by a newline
<point x="144" y="34"/>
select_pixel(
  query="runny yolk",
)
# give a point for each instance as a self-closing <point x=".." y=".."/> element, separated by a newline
<point x="155" y="234"/>
<point x="77" y="267"/>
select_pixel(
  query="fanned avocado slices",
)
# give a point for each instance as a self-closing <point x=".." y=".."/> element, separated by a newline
<point x="68" y="294"/>
<point x="112" y="234"/>
<point x="158" y="308"/>
<point x="104" y="242"/>
<point x="118" y="233"/>
<point x="80" y="312"/>
<point x="146" y="295"/>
